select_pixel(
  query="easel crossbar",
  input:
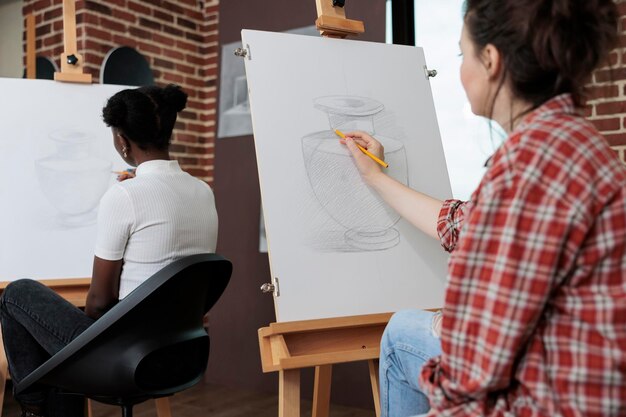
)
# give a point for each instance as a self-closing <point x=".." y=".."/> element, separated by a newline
<point x="309" y="343"/>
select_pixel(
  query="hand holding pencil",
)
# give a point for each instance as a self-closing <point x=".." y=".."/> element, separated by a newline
<point x="125" y="175"/>
<point x="368" y="153"/>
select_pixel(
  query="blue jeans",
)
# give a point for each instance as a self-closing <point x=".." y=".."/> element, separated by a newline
<point x="407" y="343"/>
<point x="36" y="324"/>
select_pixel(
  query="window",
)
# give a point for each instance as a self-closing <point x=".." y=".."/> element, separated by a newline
<point x="466" y="138"/>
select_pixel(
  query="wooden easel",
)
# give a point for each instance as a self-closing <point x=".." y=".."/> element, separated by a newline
<point x="71" y="60"/>
<point x="291" y="346"/>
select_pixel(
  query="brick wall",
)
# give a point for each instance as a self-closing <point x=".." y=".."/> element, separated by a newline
<point x="606" y="106"/>
<point x="179" y="38"/>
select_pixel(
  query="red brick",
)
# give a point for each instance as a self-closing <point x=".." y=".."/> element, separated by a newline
<point x="92" y="45"/>
<point x="43" y="30"/>
<point x="173" y="78"/>
<point x="207" y="118"/>
<point x="52" y="14"/>
<point x="172" y="7"/>
<point x="617" y="139"/>
<point x="609" y="75"/>
<point x="195" y="127"/>
<point x="189" y="115"/>
<point x="187" y="46"/>
<point x="186" y="23"/>
<point x="186" y="138"/>
<point x="168" y="17"/>
<point x="196" y="82"/>
<point x="604" y="91"/>
<point x="149" y="24"/>
<point x="172" y="30"/>
<point x="139" y="8"/>
<point x="195" y="104"/>
<point x="125" y="16"/>
<point x="140" y="34"/>
<point x="163" y="40"/>
<point x="114" y="25"/>
<point x="208" y="50"/>
<point x="194" y="14"/>
<point x="124" y="41"/>
<point x="192" y="36"/>
<point x="173" y="53"/>
<point x="148" y="47"/>
<point x="163" y="63"/>
<point x="615" y="107"/>
<point x="97" y="7"/>
<point x="42" y="4"/>
<point x="52" y="40"/>
<point x="99" y="34"/>
<point x="605" y="125"/>
<point x="187" y="69"/>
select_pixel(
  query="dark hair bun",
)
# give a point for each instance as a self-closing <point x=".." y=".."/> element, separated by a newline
<point x="146" y="115"/>
<point x="174" y="97"/>
<point x="115" y="111"/>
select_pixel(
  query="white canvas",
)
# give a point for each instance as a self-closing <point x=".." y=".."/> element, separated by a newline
<point x="56" y="161"/>
<point x="335" y="248"/>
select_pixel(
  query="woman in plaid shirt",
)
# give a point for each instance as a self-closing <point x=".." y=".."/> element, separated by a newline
<point x="534" y="319"/>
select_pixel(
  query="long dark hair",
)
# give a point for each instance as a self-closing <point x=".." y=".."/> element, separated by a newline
<point x="548" y="47"/>
<point x="146" y="115"/>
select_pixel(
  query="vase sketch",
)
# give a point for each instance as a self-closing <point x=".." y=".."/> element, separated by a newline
<point x="73" y="179"/>
<point x="336" y="181"/>
<point x="348" y="113"/>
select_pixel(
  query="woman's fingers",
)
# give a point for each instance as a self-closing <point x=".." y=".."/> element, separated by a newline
<point x="368" y="142"/>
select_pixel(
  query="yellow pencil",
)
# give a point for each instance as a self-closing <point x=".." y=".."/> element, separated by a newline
<point x="365" y="151"/>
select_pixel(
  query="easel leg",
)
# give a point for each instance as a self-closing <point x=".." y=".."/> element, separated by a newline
<point x="88" y="408"/>
<point x="373" y="365"/>
<point x="163" y="407"/>
<point x="321" y="391"/>
<point x="4" y="372"/>
<point x="289" y="393"/>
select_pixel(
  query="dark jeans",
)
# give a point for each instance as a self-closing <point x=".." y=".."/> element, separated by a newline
<point x="36" y="324"/>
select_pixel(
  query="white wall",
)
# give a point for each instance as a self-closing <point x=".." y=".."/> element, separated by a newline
<point x="11" y="30"/>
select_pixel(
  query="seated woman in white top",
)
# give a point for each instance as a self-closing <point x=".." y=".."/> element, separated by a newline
<point x="146" y="222"/>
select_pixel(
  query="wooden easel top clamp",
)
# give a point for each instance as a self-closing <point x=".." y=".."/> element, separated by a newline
<point x="332" y="22"/>
<point x="71" y="60"/>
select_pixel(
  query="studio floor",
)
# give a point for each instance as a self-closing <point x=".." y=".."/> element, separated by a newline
<point x="210" y="401"/>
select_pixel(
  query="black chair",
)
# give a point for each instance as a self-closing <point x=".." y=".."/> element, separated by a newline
<point x="151" y="344"/>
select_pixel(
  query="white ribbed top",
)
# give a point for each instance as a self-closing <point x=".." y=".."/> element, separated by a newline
<point x="161" y="215"/>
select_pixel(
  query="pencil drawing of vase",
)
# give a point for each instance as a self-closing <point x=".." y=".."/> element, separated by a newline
<point x="337" y="183"/>
<point x="73" y="179"/>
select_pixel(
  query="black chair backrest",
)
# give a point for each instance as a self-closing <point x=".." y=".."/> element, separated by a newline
<point x="151" y="343"/>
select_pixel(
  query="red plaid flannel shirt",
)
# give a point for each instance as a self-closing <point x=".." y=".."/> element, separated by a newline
<point x="534" y="320"/>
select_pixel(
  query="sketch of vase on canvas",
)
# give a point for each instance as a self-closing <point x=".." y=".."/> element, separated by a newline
<point x="337" y="183"/>
<point x="72" y="178"/>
